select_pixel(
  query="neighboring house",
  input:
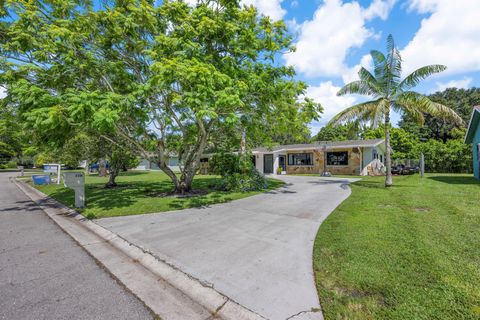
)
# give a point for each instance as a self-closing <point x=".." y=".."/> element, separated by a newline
<point x="352" y="157"/>
<point x="145" y="164"/>
<point x="173" y="163"/>
<point x="473" y="137"/>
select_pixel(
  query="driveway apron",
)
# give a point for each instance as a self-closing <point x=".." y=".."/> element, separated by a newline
<point x="257" y="250"/>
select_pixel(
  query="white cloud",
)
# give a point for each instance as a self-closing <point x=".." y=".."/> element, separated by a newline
<point x="336" y="27"/>
<point x="449" y="36"/>
<point x="326" y="94"/>
<point x="460" y="83"/>
<point x="271" y="8"/>
<point x="379" y="8"/>
<point x="352" y="73"/>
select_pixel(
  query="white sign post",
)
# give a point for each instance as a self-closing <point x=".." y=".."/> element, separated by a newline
<point x="76" y="181"/>
<point x="53" y="168"/>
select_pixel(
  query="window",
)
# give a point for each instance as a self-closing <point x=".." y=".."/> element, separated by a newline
<point x="337" y="158"/>
<point x="300" y="159"/>
<point x="173" y="162"/>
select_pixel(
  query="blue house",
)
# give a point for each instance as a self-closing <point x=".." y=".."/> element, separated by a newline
<point x="473" y="137"/>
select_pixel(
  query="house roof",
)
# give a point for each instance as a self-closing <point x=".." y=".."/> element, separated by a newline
<point x="322" y="144"/>
<point x="473" y="125"/>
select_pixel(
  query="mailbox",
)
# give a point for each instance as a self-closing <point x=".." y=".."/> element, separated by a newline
<point x="73" y="179"/>
<point x="76" y="181"/>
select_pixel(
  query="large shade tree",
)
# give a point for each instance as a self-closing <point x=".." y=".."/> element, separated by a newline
<point x="389" y="92"/>
<point x="151" y="72"/>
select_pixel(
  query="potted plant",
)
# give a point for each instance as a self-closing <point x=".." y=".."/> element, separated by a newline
<point x="279" y="170"/>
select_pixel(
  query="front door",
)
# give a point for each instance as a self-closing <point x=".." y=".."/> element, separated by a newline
<point x="282" y="163"/>
<point x="268" y="163"/>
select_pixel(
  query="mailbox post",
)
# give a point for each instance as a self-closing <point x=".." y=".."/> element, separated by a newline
<point x="76" y="181"/>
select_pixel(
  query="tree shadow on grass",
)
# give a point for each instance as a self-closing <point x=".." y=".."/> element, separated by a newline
<point x="128" y="193"/>
<point x="124" y="195"/>
<point x="456" y="180"/>
<point x="379" y="184"/>
<point x="199" y="201"/>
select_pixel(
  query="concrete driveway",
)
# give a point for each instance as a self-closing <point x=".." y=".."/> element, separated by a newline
<point x="257" y="250"/>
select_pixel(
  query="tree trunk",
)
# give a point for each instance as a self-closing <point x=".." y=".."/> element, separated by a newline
<point x="388" y="156"/>
<point x="111" y="180"/>
<point x="192" y="161"/>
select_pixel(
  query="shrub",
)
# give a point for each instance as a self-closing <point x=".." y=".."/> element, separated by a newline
<point x="454" y="156"/>
<point x="247" y="181"/>
<point x="224" y="164"/>
<point x="11" y="165"/>
<point x="237" y="175"/>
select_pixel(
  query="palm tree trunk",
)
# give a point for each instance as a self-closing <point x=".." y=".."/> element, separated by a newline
<point x="388" y="156"/>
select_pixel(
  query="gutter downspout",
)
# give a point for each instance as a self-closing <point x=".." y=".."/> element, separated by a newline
<point x="361" y="161"/>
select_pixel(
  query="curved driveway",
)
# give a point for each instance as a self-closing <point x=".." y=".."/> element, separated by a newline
<point x="257" y="250"/>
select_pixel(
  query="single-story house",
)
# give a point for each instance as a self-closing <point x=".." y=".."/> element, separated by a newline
<point x="145" y="164"/>
<point x="473" y="136"/>
<point x="351" y="157"/>
<point x="173" y="163"/>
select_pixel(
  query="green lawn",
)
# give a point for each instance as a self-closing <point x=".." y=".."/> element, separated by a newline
<point x="408" y="252"/>
<point x="138" y="192"/>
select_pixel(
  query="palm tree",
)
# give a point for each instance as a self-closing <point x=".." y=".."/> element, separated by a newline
<point x="389" y="92"/>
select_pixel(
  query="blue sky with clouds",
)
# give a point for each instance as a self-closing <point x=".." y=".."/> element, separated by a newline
<point x="334" y="37"/>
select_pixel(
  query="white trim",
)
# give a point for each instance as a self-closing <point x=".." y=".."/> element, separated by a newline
<point x="321" y="147"/>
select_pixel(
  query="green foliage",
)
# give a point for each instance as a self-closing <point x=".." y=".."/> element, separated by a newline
<point x="8" y="165"/>
<point x="12" y="137"/>
<point x="459" y="100"/>
<point x="250" y="180"/>
<point x="454" y="156"/>
<point x="403" y="143"/>
<point x="237" y="173"/>
<point x="146" y="72"/>
<point x="341" y="132"/>
<point x="224" y="164"/>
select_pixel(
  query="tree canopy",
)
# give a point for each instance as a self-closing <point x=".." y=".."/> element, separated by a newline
<point x="459" y="100"/>
<point x="165" y="78"/>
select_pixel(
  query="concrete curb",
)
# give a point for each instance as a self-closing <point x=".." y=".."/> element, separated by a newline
<point x="191" y="290"/>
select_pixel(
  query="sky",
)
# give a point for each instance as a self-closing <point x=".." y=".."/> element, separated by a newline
<point x="334" y="37"/>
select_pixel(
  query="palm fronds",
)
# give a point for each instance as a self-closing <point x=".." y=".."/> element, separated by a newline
<point x="361" y="112"/>
<point x="414" y="102"/>
<point x="414" y="78"/>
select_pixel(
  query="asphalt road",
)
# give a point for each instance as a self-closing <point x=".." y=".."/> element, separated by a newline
<point x="44" y="274"/>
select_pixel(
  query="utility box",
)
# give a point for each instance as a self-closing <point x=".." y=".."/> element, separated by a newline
<point x="76" y="181"/>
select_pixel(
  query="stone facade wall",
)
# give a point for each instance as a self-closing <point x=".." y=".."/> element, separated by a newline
<point x="352" y="168"/>
<point x="317" y="167"/>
